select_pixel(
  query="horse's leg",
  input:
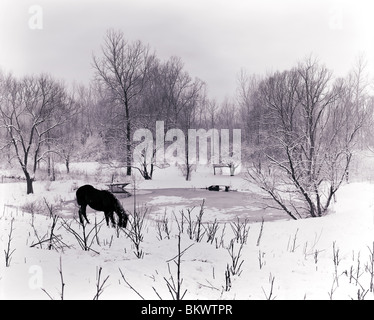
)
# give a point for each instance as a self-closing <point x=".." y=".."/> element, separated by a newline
<point x="125" y="220"/>
<point x="112" y="218"/>
<point x="82" y="213"/>
<point x="120" y="220"/>
<point x="107" y="214"/>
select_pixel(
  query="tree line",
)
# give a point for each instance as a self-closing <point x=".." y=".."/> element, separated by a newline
<point x="299" y="127"/>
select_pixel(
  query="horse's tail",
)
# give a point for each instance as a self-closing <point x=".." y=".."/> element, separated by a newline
<point x="79" y="195"/>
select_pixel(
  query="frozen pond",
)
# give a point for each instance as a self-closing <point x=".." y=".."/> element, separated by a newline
<point x="218" y="204"/>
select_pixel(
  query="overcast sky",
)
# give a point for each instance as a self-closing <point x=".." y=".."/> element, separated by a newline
<point x="214" y="38"/>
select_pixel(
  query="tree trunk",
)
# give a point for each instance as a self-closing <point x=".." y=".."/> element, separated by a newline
<point x="348" y="159"/>
<point x="53" y="177"/>
<point x="49" y="164"/>
<point x="128" y="138"/>
<point x="67" y="164"/>
<point x="232" y="170"/>
<point x="152" y="168"/>
<point x="146" y="175"/>
<point x="188" y="166"/>
<point x="29" y="182"/>
<point x="128" y="159"/>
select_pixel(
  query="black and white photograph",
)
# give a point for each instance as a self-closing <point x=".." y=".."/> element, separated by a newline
<point x="164" y="150"/>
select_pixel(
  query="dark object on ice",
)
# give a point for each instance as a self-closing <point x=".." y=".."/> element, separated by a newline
<point x="213" y="188"/>
<point x="217" y="188"/>
<point x="100" y="200"/>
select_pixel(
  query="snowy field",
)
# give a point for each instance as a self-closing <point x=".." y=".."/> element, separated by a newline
<point x="222" y="256"/>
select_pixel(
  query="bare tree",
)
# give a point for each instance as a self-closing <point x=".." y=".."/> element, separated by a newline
<point x="251" y="118"/>
<point x="228" y="114"/>
<point x="173" y="96"/>
<point x="123" y="70"/>
<point x="174" y="84"/>
<point x="71" y="138"/>
<point x="193" y="96"/>
<point x="308" y="155"/>
<point x="31" y="109"/>
<point x="360" y="96"/>
<point x="211" y="111"/>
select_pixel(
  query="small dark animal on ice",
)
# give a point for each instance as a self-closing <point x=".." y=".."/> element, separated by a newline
<point x="100" y="200"/>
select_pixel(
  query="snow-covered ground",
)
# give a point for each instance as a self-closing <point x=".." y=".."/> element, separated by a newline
<point x="321" y="258"/>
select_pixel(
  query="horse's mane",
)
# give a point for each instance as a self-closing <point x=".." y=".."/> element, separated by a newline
<point x="119" y="205"/>
<point x="115" y="200"/>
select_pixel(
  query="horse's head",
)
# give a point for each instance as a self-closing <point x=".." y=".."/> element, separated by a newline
<point x="123" y="216"/>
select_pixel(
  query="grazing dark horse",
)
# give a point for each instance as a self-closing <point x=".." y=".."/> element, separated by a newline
<point x="100" y="200"/>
